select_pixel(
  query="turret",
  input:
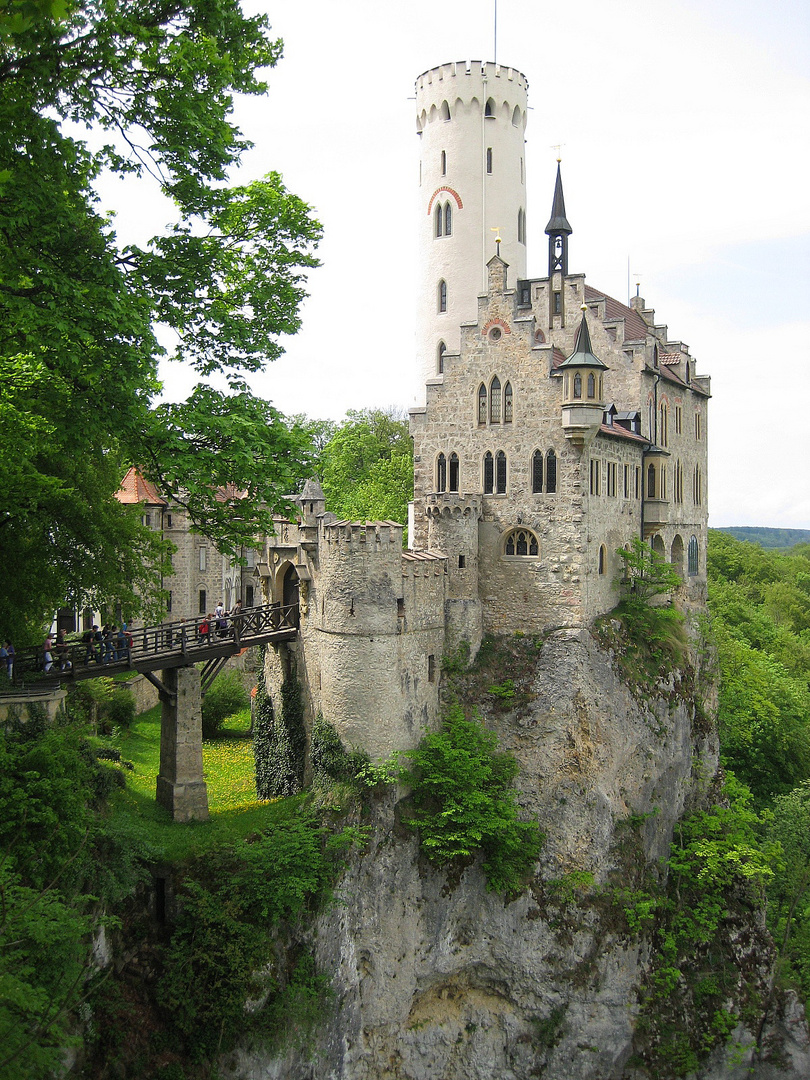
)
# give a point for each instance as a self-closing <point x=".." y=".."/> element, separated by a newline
<point x="558" y="230"/>
<point x="471" y="120"/>
<point x="583" y="404"/>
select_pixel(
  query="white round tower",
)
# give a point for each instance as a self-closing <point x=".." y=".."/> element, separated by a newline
<point x="471" y="119"/>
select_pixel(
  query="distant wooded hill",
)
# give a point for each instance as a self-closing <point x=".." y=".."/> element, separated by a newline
<point x="768" y="538"/>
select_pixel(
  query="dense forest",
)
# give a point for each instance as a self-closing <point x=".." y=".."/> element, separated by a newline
<point x="780" y="539"/>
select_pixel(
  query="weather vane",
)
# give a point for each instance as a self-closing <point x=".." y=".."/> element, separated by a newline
<point x="497" y="230"/>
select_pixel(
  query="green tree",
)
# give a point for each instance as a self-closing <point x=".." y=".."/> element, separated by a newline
<point x="79" y="311"/>
<point x="464" y="801"/>
<point x="368" y="467"/>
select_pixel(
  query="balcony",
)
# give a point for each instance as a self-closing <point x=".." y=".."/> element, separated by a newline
<point x="656" y="515"/>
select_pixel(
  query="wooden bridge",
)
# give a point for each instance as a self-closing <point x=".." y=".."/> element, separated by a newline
<point x="181" y="659"/>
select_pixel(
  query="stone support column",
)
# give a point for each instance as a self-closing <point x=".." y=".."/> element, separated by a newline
<point x="180" y="785"/>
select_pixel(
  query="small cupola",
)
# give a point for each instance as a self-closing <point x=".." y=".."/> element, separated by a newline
<point x="583" y="392"/>
<point x="312" y="502"/>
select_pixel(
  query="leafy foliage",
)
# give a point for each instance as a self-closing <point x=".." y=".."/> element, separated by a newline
<point x="464" y="801"/>
<point x="225" y="697"/>
<point x="695" y="995"/>
<point x="367" y="467"/>
<point x="234" y="902"/>
<point x="79" y="352"/>
<point x="279" y="741"/>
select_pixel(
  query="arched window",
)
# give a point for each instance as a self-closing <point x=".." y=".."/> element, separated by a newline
<point x="591" y="385"/>
<point x="489" y="108"/>
<point x="692" y="556"/>
<point x="551" y="472"/>
<point x="439" y="219"/>
<point x="445" y="111"/>
<point x="442" y="296"/>
<point x="500" y="473"/>
<point x="454" y="472"/>
<point x="442" y="349"/>
<point x="441" y="473"/>
<point x="663" y="434"/>
<point x="521" y="542"/>
<point x="489" y="159"/>
<point x="537" y="472"/>
<point x="650" y="481"/>
<point x="489" y="473"/>
<point x="444" y="163"/>
<point x="516" y="116"/>
<point x="602" y="559"/>
<point x="697" y="487"/>
<point x="482" y="404"/>
<point x="495" y="401"/>
<point x="577" y="385"/>
<point x="448" y="219"/>
<point x="507" y="403"/>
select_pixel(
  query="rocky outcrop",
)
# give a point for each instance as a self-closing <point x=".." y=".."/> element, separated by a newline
<point x="435" y="978"/>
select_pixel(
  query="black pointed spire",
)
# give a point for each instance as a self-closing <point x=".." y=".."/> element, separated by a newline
<point x="558" y="231"/>
<point x="558" y="222"/>
<point x="583" y="355"/>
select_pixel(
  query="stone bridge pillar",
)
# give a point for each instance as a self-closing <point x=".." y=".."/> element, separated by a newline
<point x="180" y="785"/>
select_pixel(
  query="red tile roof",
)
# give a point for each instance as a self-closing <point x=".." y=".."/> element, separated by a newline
<point x="668" y="359"/>
<point x="635" y="329"/>
<point x="135" y="488"/>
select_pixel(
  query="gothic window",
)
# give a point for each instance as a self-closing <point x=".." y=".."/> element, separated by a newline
<point x="489" y="473"/>
<point x="591" y="385"/>
<point x="202" y="607"/>
<point x="448" y="219"/>
<point x="678" y="420"/>
<point x="440" y="357"/>
<point x="697" y="487"/>
<point x="521" y="542"/>
<point x="489" y="159"/>
<point x="602" y="559"/>
<point x="495" y="401"/>
<point x="489" y="108"/>
<point x="537" y="472"/>
<point x="445" y="111"/>
<point x="454" y="472"/>
<point x="650" y="481"/>
<point x="577" y="385"/>
<point x="663" y="435"/>
<point x="500" y="473"/>
<point x="442" y="296"/>
<point x="441" y="473"/>
<point x="516" y="116"/>
<point x="482" y="404"/>
<point x="444" y="163"/>
<point x="507" y="403"/>
<point x="439" y="219"/>
<point x="551" y="472"/>
<point x="692" y="556"/>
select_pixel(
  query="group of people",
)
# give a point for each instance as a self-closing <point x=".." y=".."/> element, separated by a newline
<point x="217" y="622"/>
<point x="101" y="646"/>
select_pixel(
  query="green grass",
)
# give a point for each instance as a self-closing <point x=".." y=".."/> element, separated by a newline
<point x="228" y="770"/>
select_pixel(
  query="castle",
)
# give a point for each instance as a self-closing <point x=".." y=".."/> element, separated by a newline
<point x="559" y="424"/>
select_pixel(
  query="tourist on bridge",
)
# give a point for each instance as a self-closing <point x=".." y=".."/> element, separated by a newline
<point x="88" y="640"/>
<point x="62" y="651"/>
<point x="10" y="654"/>
<point x="204" y="629"/>
<point x="47" y="652"/>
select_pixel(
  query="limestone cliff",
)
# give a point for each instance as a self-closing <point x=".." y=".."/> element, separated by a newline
<point x="436" y="979"/>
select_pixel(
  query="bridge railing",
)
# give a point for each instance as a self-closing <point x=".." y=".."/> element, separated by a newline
<point x="186" y="637"/>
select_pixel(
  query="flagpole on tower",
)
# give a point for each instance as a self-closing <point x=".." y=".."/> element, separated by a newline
<point x="495" y="49"/>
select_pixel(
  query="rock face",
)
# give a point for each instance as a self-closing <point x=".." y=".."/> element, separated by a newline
<point x="437" y="979"/>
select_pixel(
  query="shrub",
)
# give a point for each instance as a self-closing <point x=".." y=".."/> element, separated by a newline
<point x="225" y="696"/>
<point x="120" y="709"/>
<point x="464" y="801"/>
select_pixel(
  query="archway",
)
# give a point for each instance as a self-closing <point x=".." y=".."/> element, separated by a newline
<point x="290" y="588"/>
<point x="676" y="554"/>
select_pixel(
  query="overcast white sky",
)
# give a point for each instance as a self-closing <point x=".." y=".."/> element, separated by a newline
<point x="685" y="132"/>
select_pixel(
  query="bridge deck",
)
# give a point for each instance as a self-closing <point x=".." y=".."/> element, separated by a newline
<point x="157" y="648"/>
